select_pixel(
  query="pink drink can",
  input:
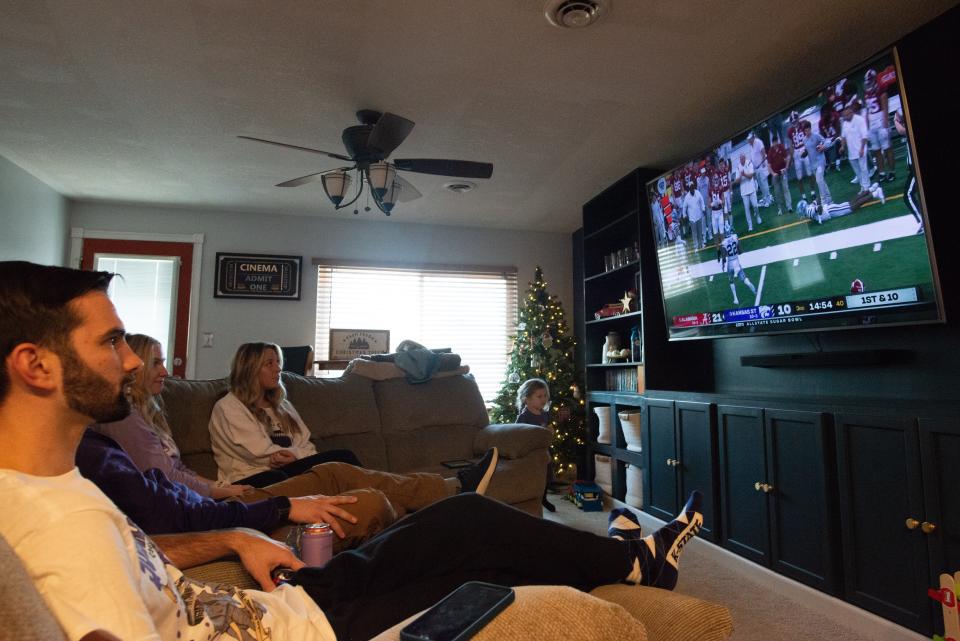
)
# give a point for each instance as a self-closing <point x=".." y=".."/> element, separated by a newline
<point x="316" y="544"/>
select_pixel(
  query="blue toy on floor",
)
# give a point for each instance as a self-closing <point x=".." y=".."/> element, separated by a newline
<point x="587" y="496"/>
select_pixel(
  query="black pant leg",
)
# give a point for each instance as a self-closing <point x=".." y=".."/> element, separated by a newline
<point x="426" y="555"/>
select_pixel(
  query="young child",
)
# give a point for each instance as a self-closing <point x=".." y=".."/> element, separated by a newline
<point x="532" y="399"/>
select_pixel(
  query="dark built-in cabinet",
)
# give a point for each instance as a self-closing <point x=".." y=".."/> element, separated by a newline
<point x="859" y="499"/>
<point x="681" y="455"/>
<point x="776" y="491"/>
<point x="900" y="512"/>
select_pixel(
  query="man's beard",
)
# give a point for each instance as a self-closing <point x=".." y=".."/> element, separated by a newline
<point x="90" y="393"/>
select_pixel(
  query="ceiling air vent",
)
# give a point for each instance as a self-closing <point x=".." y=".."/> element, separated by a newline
<point x="459" y="186"/>
<point x="574" y="14"/>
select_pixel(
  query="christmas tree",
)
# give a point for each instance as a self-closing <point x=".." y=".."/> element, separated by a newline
<point x="543" y="348"/>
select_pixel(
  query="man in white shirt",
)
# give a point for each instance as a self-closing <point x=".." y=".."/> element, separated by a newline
<point x="758" y="156"/>
<point x="854" y="138"/>
<point x="65" y="364"/>
<point x="748" y="189"/>
<point x="693" y="210"/>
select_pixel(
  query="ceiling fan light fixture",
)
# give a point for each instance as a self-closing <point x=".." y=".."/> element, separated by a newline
<point x="336" y="184"/>
<point x="381" y="176"/>
<point x="389" y="198"/>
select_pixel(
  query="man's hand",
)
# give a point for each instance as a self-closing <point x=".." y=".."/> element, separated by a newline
<point x="322" y="509"/>
<point x="260" y="554"/>
<point x="281" y="458"/>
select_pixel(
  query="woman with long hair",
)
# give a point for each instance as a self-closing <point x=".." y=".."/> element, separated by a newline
<point x="145" y="434"/>
<point x="258" y="437"/>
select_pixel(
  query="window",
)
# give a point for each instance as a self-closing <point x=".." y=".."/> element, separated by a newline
<point x="146" y="295"/>
<point x="473" y="311"/>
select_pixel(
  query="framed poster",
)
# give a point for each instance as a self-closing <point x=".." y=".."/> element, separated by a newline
<point x="257" y="276"/>
<point x="346" y="344"/>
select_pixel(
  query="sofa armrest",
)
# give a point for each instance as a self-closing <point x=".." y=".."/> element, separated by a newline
<point x="514" y="440"/>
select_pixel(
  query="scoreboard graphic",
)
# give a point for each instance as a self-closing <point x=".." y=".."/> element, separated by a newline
<point x="860" y="305"/>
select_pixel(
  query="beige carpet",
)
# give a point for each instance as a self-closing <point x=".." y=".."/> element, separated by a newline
<point x="760" y="613"/>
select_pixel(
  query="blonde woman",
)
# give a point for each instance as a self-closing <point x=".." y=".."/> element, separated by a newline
<point x="258" y="437"/>
<point x="145" y="435"/>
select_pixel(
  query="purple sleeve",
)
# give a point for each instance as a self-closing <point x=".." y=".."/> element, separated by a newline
<point x="159" y="505"/>
<point x="146" y="451"/>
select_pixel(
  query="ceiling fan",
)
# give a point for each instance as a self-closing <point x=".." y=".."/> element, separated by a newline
<point x="368" y="146"/>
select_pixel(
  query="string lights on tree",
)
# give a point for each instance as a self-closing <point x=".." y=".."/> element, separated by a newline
<point x="543" y="348"/>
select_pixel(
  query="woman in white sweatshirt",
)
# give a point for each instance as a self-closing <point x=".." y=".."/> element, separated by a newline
<point x="258" y="437"/>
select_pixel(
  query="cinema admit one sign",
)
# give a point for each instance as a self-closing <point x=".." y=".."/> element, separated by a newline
<point x="258" y="276"/>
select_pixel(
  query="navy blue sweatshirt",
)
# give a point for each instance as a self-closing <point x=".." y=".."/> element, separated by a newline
<point x="159" y="505"/>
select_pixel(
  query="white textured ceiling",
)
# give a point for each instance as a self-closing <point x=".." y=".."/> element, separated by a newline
<point x="141" y="101"/>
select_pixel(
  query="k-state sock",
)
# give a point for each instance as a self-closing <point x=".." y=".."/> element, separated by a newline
<point x="656" y="557"/>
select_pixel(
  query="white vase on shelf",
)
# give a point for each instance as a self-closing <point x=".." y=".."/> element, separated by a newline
<point x="630" y="423"/>
<point x="603" y="416"/>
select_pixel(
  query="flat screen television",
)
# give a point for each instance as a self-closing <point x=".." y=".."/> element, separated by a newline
<point x="811" y="219"/>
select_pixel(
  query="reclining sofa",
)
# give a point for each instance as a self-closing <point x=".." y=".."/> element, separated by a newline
<point x="389" y="424"/>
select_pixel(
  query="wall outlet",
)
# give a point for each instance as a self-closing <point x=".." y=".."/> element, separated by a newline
<point x="207" y="339"/>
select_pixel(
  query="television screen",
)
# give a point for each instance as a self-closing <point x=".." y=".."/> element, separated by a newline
<point x="812" y="219"/>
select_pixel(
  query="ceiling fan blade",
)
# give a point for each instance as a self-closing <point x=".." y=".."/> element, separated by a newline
<point x="407" y="191"/>
<point x="283" y="144"/>
<point x="458" y="168"/>
<point x="309" y="178"/>
<point x="389" y="132"/>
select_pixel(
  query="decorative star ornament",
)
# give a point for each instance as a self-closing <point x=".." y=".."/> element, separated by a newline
<point x="626" y="300"/>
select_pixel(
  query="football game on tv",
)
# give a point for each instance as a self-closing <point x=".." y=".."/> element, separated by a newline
<point x="812" y="219"/>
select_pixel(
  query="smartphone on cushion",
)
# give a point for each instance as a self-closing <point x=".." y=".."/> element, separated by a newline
<point x="460" y="614"/>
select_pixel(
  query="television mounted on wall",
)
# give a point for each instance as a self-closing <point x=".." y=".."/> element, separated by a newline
<point x="811" y="219"/>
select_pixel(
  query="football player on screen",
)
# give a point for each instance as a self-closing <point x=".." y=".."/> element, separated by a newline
<point x="910" y="193"/>
<point x="825" y="211"/>
<point x="728" y="255"/>
<point x="875" y="89"/>
<point x="801" y="163"/>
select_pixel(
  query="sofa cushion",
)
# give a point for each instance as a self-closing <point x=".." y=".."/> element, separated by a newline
<point x="671" y="616"/>
<point x="334" y="406"/>
<point x="188" y="405"/>
<point x="452" y="400"/>
<point x="24" y="613"/>
<point x="552" y="613"/>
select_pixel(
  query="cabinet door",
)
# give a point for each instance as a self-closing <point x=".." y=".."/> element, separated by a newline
<point x="743" y="508"/>
<point x="803" y="539"/>
<point x="885" y="563"/>
<point x="940" y="453"/>
<point x="697" y="446"/>
<point x="660" y="488"/>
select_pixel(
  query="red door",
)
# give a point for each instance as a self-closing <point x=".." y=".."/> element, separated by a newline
<point x="176" y="357"/>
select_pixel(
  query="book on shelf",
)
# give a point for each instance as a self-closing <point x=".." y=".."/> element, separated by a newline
<point x="626" y="379"/>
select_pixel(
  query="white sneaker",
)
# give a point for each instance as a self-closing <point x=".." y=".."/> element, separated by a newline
<point x="759" y="220"/>
<point x="736" y="302"/>
<point x="878" y="193"/>
<point x="854" y="181"/>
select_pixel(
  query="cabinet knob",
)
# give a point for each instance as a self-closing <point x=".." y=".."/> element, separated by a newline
<point x="766" y="487"/>
<point x="756" y="486"/>
<point x="927" y="528"/>
<point x="912" y="523"/>
<point x="676" y="462"/>
<point x="669" y="462"/>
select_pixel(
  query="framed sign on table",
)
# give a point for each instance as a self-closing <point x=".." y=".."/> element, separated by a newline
<point x="346" y="344"/>
<point x="257" y="276"/>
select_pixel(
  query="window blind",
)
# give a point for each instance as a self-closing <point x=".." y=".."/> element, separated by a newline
<point x="472" y="310"/>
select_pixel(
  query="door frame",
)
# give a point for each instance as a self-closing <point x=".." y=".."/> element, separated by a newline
<point x="77" y="234"/>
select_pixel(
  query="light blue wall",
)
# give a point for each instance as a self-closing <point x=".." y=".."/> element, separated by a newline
<point x="356" y="238"/>
<point x="33" y="218"/>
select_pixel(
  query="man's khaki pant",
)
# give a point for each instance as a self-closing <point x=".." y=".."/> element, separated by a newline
<point x="382" y="497"/>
